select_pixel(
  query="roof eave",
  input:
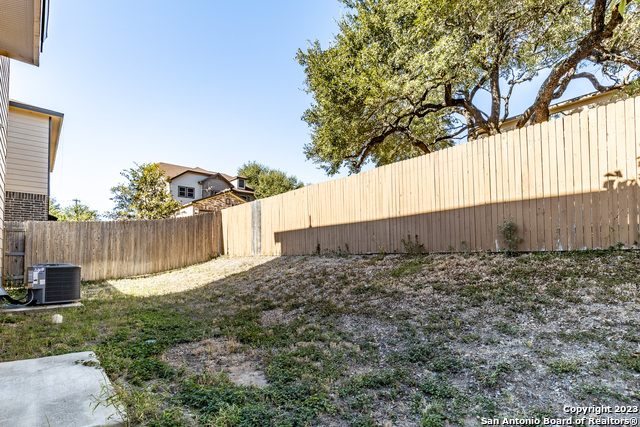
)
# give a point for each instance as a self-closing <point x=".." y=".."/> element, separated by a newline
<point x="56" y="126"/>
<point x="24" y="41"/>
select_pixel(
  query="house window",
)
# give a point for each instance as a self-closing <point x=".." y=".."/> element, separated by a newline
<point x="241" y="183"/>
<point x="188" y="192"/>
<point x="245" y="198"/>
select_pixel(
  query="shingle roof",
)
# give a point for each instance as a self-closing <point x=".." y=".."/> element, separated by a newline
<point x="174" y="170"/>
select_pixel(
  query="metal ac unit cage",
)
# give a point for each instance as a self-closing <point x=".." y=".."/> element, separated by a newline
<point x="54" y="283"/>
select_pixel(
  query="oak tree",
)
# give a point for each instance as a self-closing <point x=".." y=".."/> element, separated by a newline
<point x="406" y="77"/>
<point x="268" y="182"/>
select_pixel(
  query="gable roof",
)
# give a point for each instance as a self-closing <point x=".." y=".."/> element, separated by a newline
<point x="171" y="171"/>
<point x="224" y="193"/>
<point x="218" y="174"/>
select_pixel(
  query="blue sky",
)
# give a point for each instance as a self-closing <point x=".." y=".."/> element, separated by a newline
<point x="198" y="83"/>
<point x="211" y="84"/>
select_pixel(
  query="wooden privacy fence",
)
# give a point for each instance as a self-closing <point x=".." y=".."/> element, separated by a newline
<point x="113" y="249"/>
<point x="570" y="183"/>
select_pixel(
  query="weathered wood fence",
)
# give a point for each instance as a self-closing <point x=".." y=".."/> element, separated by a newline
<point x="113" y="249"/>
<point x="570" y="183"/>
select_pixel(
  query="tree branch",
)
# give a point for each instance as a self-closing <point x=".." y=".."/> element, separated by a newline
<point x="596" y="84"/>
<point x="539" y="111"/>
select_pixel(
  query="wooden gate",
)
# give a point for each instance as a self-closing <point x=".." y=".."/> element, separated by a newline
<point x="14" y="237"/>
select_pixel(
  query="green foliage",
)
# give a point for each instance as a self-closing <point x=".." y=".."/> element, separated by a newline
<point x="267" y="182"/>
<point x="509" y="232"/>
<point x="412" y="247"/>
<point x="413" y="266"/>
<point x="75" y="212"/>
<point x="145" y="195"/>
<point x="438" y="388"/>
<point x="561" y="366"/>
<point x="404" y="78"/>
<point x="54" y="208"/>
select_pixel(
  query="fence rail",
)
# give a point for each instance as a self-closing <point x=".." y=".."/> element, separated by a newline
<point x="570" y="183"/>
<point x="115" y="249"/>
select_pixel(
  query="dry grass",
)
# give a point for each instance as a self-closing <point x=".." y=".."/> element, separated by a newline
<point x="360" y="340"/>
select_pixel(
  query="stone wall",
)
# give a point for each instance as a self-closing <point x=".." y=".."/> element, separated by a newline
<point x="218" y="203"/>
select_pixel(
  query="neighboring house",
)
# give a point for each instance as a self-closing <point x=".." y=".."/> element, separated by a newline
<point x="33" y="134"/>
<point x="570" y="106"/>
<point x="190" y="185"/>
<point x="23" y="28"/>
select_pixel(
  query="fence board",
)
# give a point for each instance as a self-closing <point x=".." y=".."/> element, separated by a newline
<point x="570" y="183"/>
<point x="621" y="176"/>
<point x="106" y="250"/>
<point x="631" y="183"/>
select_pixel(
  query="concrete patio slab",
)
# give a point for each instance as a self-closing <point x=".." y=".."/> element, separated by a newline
<point x="56" y="391"/>
<point x="38" y="308"/>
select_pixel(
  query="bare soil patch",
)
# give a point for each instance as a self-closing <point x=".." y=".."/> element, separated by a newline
<point x="218" y="355"/>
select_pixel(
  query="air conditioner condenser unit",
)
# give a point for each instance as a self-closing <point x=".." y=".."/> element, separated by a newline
<point x="54" y="283"/>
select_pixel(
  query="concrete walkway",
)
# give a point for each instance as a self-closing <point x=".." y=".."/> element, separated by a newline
<point x="56" y="391"/>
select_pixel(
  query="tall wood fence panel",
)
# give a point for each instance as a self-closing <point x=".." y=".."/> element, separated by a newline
<point x="115" y="249"/>
<point x="570" y="183"/>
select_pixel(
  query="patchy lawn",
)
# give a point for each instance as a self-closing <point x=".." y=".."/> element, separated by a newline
<point x="358" y="340"/>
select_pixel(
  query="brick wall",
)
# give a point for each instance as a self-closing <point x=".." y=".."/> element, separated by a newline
<point x="26" y="207"/>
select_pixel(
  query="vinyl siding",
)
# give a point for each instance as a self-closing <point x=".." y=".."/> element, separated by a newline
<point x="187" y="180"/>
<point x="4" y="112"/>
<point x="27" y="152"/>
<point x="212" y="186"/>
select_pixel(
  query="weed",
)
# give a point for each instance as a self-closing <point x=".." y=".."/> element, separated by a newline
<point x="600" y="391"/>
<point x="541" y="414"/>
<point x="148" y="368"/>
<point x="434" y="416"/>
<point x="446" y="363"/>
<point x="407" y="268"/>
<point x="507" y="328"/>
<point x="488" y="406"/>
<point x="562" y="367"/>
<point x="468" y="339"/>
<point x="366" y="289"/>
<point x="418" y="353"/>
<point x="489" y="377"/>
<point x="110" y="398"/>
<point x="371" y="380"/>
<point x="509" y="232"/>
<point x="412" y="247"/>
<point x="380" y="247"/>
<point x="438" y="388"/>
<point x="628" y="360"/>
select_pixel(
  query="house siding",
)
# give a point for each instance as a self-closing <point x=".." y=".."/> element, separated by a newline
<point x="4" y="113"/>
<point x="211" y="186"/>
<point x="187" y="180"/>
<point x="27" y="152"/>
